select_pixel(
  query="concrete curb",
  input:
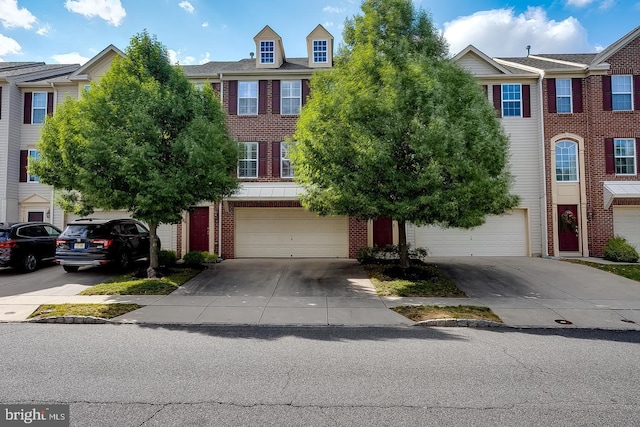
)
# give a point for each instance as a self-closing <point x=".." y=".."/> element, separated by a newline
<point x="470" y="323"/>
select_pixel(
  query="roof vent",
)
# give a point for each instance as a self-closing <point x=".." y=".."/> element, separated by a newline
<point x="251" y="54"/>
<point x="528" y="49"/>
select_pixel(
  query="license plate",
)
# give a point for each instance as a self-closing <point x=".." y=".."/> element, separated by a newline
<point x="78" y="246"/>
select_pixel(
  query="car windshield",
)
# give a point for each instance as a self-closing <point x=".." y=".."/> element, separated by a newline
<point x="88" y="231"/>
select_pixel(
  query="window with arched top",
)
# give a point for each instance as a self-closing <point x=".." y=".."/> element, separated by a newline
<point x="566" y="161"/>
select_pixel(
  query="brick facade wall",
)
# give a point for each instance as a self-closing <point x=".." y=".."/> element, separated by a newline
<point x="594" y="125"/>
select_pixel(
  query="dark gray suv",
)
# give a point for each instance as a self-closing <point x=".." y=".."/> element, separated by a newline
<point x="26" y="245"/>
<point x="99" y="242"/>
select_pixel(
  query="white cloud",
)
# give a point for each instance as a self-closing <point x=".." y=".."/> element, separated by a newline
<point x="44" y="30"/>
<point x="174" y="58"/>
<point x="187" y="6"/>
<point x="205" y="58"/>
<point x="579" y="3"/>
<point x="9" y="46"/>
<point x="328" y="24"/>
<point x="70" y="58"/>
<point x="109" y="10"/>
<point x="205" y="24"/>
<point x="488" y="30"/>
<point x="331" y="9"/>
<point x="604" y="4"/>
<point x="12" y="16"/>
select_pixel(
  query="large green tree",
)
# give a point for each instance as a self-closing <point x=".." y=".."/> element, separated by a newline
<point x="143" y="139"/>
<point x="396" y="129"/>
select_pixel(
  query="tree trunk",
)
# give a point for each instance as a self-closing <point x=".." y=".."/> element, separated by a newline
<point x="402" y="244"/>
<point x="153" y="253"/>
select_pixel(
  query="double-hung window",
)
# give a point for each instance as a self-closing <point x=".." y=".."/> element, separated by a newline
<point x="33" y="155"/>
<point x="566" y="161"/>
<point x="248" y="98"/>
<point x="511" y="100"/>
<point x="267" y="49"/>
<point x="290" y="96"/>
<point x="286" y="168"/>
<point x="248" y="160"/>
<point x="320" y="51"/>
<point x="563" y="96"/>
<point x="625" y="156"/>
<point x="38" y="107"/>
<point x="621" y="91"/>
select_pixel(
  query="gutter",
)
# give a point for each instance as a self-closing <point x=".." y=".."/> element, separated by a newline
<point x="543" y="216"/>
<point x="220" y="203"/>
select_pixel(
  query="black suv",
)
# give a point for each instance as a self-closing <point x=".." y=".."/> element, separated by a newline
<point x="25" y="245"/>
<point x="97" y="242"/>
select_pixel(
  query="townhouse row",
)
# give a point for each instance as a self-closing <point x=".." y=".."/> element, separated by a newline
<point x="573" y="122"/>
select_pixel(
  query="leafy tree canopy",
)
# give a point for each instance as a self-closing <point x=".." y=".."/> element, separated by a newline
<point x="396" y="129"/>
<point x="143" y="139"/>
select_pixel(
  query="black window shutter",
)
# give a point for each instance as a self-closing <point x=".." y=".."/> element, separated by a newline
<point x="636" y="90"/>
<point x="305" y="90"/>
<point x="637" y="154"/>
<point x="262" y="97"/>
<point x="497" y="99"/>
<point x="233" y="97"/>
<point x="50" y="104"/>
<point x="608" y="154"/>
<point x="0" y="102"/>
<point x="262" y="159"/>
<point x="607" y="103"/>
<point x="551" y="96"/>
<point x="526" y="101"/>
<point x="23" y="165"/>
<point x="216" y="87"/>
<point x="576" y="92"/>
<point x="275" y="159"/>
<point x="27" y="108"/>
<point x="275" y="96"/>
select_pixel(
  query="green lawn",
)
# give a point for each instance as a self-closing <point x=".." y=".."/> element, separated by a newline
<point x="105" y="311"/>
<point x="419" y="280"/>
<point x="630" y="271"/>
<point x="128" y="285"/>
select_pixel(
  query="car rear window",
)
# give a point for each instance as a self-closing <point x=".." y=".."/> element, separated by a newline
<point x="88" y="231"/>
<point x="4" y="234"/>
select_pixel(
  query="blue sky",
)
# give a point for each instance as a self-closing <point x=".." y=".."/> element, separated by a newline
<point x="197" y="31"/>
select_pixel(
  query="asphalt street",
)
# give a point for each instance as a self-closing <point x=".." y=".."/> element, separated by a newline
<point x="136" y="375"/>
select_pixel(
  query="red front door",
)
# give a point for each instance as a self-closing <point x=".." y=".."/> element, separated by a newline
<point x="568" y="228"/>
<point x="199" y="230"/>
<point x="382" y="232"/>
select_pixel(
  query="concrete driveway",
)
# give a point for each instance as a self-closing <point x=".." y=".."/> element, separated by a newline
<point x="538" y="291"/>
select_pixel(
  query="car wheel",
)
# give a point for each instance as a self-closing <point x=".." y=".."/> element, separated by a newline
<point x="70" y="268"/>
<point x="124" y="260"/>
<point x="29" y="263"/>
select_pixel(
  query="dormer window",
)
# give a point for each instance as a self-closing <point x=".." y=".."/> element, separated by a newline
<point x="320" y="51"/>
<point x="267" y="49"/>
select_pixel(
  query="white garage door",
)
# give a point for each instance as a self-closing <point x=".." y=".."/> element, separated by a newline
<point x="504" y="235"/>
<point x="289" y="232"/>
<point x="626" y="223"/>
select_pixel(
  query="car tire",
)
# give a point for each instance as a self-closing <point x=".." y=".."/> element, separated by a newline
<point x="29" y="263"/>
<point x="70" y="268"/>
<point x="124" y="260"/>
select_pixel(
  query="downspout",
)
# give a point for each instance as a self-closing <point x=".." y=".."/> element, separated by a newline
<point x="543" y="217"/>
<point x="220" y="203"/>
<point x="53" y="190"/>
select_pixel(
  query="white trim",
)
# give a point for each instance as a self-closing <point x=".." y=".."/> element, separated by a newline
<point x="282" y="97"/>
<point x="245" y="159"/>
<point x="257" y="97"/>
<point x="272" y="52"/>
<point x="570" y="96"/>
<point x="502" y="100"/>
<point x="282" y="159"/>
<point x="630" y="93"/>
<point x="267" y="191"/>
<point x="619" y="190"/>
<point x="326" y="51"/>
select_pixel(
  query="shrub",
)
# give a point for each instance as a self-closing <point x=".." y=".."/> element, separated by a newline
<point x="618" y="249"/>
<point x="194" y="258"/>
<point x="167" y="258"/>
<point x="211" y="258"/>
<point x="375" y="255"/>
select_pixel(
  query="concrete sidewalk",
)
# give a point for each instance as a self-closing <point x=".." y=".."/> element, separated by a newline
<point x="582" y="298"/>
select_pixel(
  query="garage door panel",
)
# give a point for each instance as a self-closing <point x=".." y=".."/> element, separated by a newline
<point x="289" y="232"/>
<point x="504" y="235"/>
<point x="626" y="223"/>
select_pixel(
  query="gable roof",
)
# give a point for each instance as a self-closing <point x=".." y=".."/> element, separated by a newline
<point x="472" y="50"/>
<point x="617" y="45"/>
<point x="87" y="65"/>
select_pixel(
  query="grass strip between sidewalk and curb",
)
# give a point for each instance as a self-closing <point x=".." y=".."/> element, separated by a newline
<point x="419" y="280"/>
<point x="128" y="285"/>
<point x="104" y="311"/>
<point x="418" y="313"/>
<point x="630" y="271"/>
